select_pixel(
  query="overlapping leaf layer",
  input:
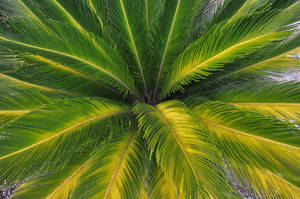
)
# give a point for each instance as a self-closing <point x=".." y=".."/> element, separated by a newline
<point x="150" y="99"/>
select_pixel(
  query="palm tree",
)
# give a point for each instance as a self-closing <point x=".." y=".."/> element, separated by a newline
<point x="149" y="98"/>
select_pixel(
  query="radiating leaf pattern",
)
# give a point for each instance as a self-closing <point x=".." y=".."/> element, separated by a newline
<point x="149" y="99"/>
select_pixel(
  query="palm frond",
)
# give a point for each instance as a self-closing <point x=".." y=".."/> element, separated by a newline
<point x="194" y="71"/>
<point x="200" y="59"/>
<point x="268" y="91"/>
<point x="268" y="97"/>
<point x="251" y="138"/>
<point x="114" y="170"/>
<point x="262" y="183"/>
<point x="83" y="14"/>
<point x="100" y="174"/>
<point x="16" y="101"/>
<point x="80" y="50"/>
<point x="134" y="41"/>
<point x="45" y="73"/>
<point x="289" y="17"/>
<point x="181" y="149"/>
<point x="16" y="95"/>
<point x="158" y="185"/>
<point x="279" y="63"/>
<point x="174" y="31"/>
<point x="51" y="183"/>
<point x="289" y="112"/>
<point x="45" y="139"/>
<point x="232" y="9"/>
<point x="275" y="60"/>
<point x="235" y="127"/>
<point x="273" y="53"/>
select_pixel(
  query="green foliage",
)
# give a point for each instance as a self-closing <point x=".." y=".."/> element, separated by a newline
<point x="90" y="104"/>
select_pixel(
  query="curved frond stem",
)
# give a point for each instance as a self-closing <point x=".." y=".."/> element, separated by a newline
<point x="74" y="22"/>
<point x="239" y="11"/>
<point x="283" y="180"/>
<point x="134" y="46"/>
<point x="15" y="111"/>
<point x="117" y="166"/>
<point x="77" y="171"/>
<point x="287" y="112"/>
<point x="166" y="48"/>
<point x="265" y="61"/>
<point x="66" y="68"/>
<point x="84" y="31"/>
<point x="37" y="86"/>
<point x="177" y="140"/>
<point x="247" y="134"/>
<point x="196" y="67"/>
<point x="34" y="16"/>
<point x="62" y="132"/>
<point x="75" y="58"/>
<point x="92" y="6"/>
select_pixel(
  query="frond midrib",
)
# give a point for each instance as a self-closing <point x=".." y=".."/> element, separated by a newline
<point x="166" y="48"/>
<point x="166" y="121"/>
<point x="75" y="58"/>
<point x="65" y="68"/>
<point x="117" y="165"/>
<point x="283" y="180"/>
<point x="247" y="134"/>
<point x="134" y="46"/>
<point x="197" y="66"/>
<point x="92" y="6"/>
<point x="14" y="111"/>
<point x="84" y="31"/>
<point x="63" y="132"/>
<point x="37" y="86"/>
<point x="82" y="166"/>
<point x="147" y="14"/>
<point x="264" y="61"/>
<point x="34" y="16"/>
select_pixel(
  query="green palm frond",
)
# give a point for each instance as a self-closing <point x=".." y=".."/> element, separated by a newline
<point x="250" y="138"/>
<point x="274" y="60"/>
<point x="44" y="186"/>
<point x="174" y="33"/>
<point x="289" y="112"/>
<point x="158" y="186"/>
<point x="116" y="169"/>
<point x="41" y="139"/>
<point x="282" y="62"/>
<point x="45" y="72"/>
<point x="90" y="104"/>
<point x="18" y="98"/>
<point x="108" y="167"/>
<point x="263" y="183"/>
<point x="281" y="100"/>
<point x="80" y="50"/>
<point x="199" y="59"/>
<point x="232" y="9"/>
<point x="134" y="39"/>
<point x="19" y="95"/>
<point x="259" y="91"/>
<point x="181" y="148"/>
<point x="84" y="14"/>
